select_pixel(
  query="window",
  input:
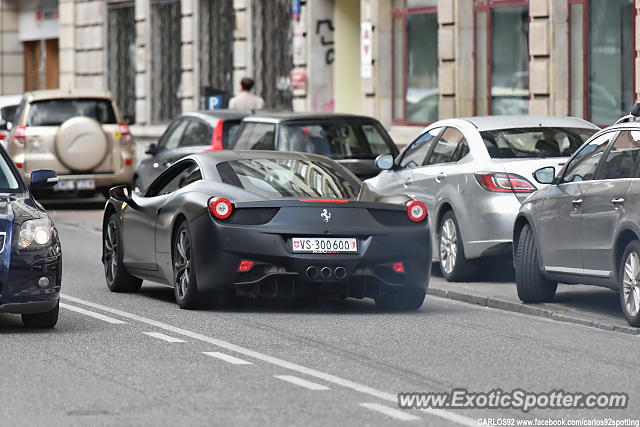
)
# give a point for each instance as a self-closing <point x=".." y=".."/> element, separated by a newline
<point x="256" y="136"/>
<point x="54" y="112"/>
<point x="175" y="178"/>
<point x="502" y="57"/>
<point x="447" y="146"/>
<point x="415" y="61"/>
<point x="198" y="133"/>
<point x="416" y="154"/>
<point x="601" y="59"/>
<point x="121" y="55"/>
<point x="534" y="142"/>
<point x="172" y="138"/>
<point x="622" y="158"/>
<point x="583" y="166"/>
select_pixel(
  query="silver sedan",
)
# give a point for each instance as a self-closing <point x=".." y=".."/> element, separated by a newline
<point x="473" y="174"/>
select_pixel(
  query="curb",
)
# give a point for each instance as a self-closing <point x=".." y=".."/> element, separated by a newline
<point x="529" y="309"/>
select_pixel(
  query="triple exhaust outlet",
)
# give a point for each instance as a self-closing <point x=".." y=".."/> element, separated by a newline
<point x="326" y="273"/>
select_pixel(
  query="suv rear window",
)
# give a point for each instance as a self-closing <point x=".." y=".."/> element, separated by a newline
<point x="336" y="139"/>
<point x="278" y="178"/>
<point x="54" y="112"/>
<point x="536" y="142"/>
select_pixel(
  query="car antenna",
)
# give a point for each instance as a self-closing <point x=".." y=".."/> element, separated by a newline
<point x="632" y="116"/>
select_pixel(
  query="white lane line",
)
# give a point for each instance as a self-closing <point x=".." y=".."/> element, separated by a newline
<point x="391" y="412"/>
<point x="302" y="383"/>
<point x="92" y="314"/>
<point x="226" y="358"/>
<point x="451" y="416"/>
<point x="163" y="337"/>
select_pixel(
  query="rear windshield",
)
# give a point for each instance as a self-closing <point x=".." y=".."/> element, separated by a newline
<point x="278" y="178"/>
<point x="54" y="112"/>
<point x="336" y="139"/>
<point x="534" y="142"/>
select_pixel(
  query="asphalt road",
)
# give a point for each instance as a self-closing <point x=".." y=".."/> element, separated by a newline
<point x="137" y="359"/>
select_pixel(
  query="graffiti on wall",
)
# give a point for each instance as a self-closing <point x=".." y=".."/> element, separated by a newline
<point x="324" y="29"/>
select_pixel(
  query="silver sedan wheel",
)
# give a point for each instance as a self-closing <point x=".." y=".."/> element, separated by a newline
<point x="448" y="246"/>
<point x="182" y="263"/>
<point x="630" y="285"/>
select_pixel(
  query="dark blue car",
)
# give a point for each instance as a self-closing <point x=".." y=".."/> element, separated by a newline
<point x="30" y="254"/>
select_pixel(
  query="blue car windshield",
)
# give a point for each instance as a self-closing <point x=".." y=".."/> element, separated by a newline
<point x="8" y="181"/>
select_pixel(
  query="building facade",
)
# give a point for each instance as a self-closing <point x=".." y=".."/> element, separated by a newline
<point x="407" y="62"/>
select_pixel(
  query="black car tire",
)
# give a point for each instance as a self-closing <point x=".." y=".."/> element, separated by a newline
<point x="185" y="289"/>
<point x="531" y="284"/>
<point x="46" y="320"/>
<point x="463" y="269"/>
<point x="633" y="319"/>
<point x="404" y="300"/>
<point x="116" y="274"/>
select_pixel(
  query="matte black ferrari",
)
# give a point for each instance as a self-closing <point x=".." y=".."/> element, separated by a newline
<point x="266" y="223"/>
<point x="30" y="252"/>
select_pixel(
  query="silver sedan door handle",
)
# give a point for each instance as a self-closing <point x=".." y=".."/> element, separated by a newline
<point x="407" y="182"/>
<point x="617" y="202"/>
<point x="441" y="177"/>
<point x="576" y="203"/>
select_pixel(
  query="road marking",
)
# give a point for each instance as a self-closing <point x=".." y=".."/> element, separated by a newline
<point x="361" y="388"/>
<point x="163" y="337"/>
<point x="226" y="358"/>
<point x="391" y="412"/>
<point x="92" y="314"/>
<point x="302" y="383"/>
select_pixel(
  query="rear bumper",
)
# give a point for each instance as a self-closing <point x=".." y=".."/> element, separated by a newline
<point x="280" y="272"/>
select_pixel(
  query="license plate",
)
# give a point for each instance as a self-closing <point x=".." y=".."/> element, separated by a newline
<point x="75" y="184"/>
<point x="324" y="245"/>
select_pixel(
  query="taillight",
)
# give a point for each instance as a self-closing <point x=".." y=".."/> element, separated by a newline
<point x="398" y="267"/>
<point x="505" y="183"/>
<point x="125" y="134"/>
<point x="216" y="138"/>
<point x="19" y="136"/>
<point x="245" y="265"/>
<point x="416" y="211"/>
<point x="220" y="207"/>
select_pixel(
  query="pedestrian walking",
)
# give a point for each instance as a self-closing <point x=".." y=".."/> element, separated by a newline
<point x="245" y="100"/>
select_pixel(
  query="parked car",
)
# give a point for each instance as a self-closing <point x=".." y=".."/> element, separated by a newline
<point x="473" y="174"/>
<point x="30" y="252"/>
<point x="79" y="134"/>
<point x="188" y="134"/>
<point x="269" y="224"/>
<point x="8" y="106"/>
<point x="353" y="141"/>
<point x="584" y="227"/>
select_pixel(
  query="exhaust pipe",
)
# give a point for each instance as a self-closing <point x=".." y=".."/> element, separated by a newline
<point x="340" y="273"/>
<point x="312" y="272"/>
<point x="325" y="273"/>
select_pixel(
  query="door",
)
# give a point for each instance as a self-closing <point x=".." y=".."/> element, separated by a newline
<point x="559" y="223"/>
<point x="400" y="179"/>
<point x="603" y="203"/>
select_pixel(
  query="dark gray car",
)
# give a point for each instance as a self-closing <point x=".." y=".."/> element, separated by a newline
<point x="585" y="226"/>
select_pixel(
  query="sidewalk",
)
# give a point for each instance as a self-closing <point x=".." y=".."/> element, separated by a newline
<point x="585" y="305"/>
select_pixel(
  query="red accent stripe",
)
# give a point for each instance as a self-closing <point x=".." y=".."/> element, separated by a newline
<point x="323" y="201"/>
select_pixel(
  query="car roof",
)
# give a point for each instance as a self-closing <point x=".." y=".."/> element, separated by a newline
<point x="6" y="100"/>
<point x="212" y="116"/>
<point x="483" y="123"/>
<point x="212" y="158"/>
<point x="288" y="116"/>
<point x="38" y="95"/>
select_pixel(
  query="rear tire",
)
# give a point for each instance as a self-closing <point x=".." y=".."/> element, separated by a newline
<point x="404" y="300"/>
<point x="46" y="320"/>
<point x="184" y="272"/>
<point x="531" y="284"/>
<point x="629" y="279"/>
<point x="116" y="274"/>
<point x="453" y="264"/>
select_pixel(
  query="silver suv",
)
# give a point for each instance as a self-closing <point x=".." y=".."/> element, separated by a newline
<point x="585" y="226"/>
<point x="79" y="134"/>
<point x="473" y="174"/>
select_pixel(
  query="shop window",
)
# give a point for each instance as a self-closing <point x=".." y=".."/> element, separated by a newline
<point x="41" y="66"/>
<point x="415" y="61"/>
<point x="121" y="51"/>
<point x="502" y="57"/>
<point x="216" y="20"/>
<point x="601" y="59"/>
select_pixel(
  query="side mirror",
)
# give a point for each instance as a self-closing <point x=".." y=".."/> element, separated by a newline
<point x="151" y="149"/>
<point x="128" y="119"/>
<point x="545" y="175"/>
<point x="42" y="179"/>
<point x="384" y="161"/>
<point x="121" y="193"/>
<point x="635" y="111"/>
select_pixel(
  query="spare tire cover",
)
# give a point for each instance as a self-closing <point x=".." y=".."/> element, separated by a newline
<point x="81" y="144"/>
